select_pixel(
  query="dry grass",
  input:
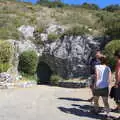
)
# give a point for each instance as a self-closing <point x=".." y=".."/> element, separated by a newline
<point x="14" y="14"/>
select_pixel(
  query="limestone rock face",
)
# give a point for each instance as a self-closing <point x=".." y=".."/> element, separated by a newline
<point x="26" y="31"/>
<point x="69" y="57"/>
<point x="53" y="28"/>
<point x="5" y="77"/>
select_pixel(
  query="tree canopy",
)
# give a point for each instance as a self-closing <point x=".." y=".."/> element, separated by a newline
<point x="112" y="8"/>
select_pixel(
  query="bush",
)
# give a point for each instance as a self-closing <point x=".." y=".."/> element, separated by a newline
<point x="51" y="4"/>
<point x="28" y="77"/>
<point x="77" y="30"/>
<point x="113" y="29"/>
<point x="110" y="22"/>
<point x="112" y="8"/>
<point x="53" y="37"/>
<point x="4" y="67"/>
<point x="90" y="6"/>
<point x="28" y="62"/>
<point x="54" y="80"/>
<point x="5" y="51"/>
<point x="40" y="29"/>
<point x="5" y="55"/>
<point x="110" y="49"/>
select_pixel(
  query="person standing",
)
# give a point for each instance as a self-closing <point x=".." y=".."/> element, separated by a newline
<point x="103" y="77"/>
<point x="93" y="62"/>
<point x="117" y="82"/>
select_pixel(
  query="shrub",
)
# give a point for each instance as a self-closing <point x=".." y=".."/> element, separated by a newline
<point x="77" y="30"/>
<point x="90" y="6"/>
<point x="110" y="49"/>
<point x="51" y="4"/>
<point x="110" y="22"/>
<point x="5" y="51"/>
<point x="5" y="55"/>
<point x="40" y="29"/>
<point x="28" y="62"/>
<point x="113" y="29"/>
<point x="54" y="80"/>
<point x="4" y="67"/>
<point x="28" y="77"/>
<point x="53" y="37"/>
<point x="112" y="8"/>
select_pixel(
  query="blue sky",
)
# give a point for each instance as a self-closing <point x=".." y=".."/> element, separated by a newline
<point x="101" y="3"/>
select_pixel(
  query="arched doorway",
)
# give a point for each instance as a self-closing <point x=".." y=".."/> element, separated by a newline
<point x="43" y="73"/>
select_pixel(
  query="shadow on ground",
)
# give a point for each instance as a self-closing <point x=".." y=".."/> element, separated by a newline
<point x="82" y="110"/>
<point x="83" y="113"/>
<point x="72" y="99"/>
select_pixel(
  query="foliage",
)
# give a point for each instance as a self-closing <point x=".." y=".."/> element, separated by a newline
<point x="90" y="6"/>
<point x="112" y="8"/>
<point x="4" y="67"/>
<point x="110" y="49"/>
<point x="5" y="51"/>
<point x="76" y="30"/>
<point x="113" y="28"/>
<point x="5" y="55"/>
<point x="28" y="62"/>
<point x="15" y="14"/>
<point x="40" y="29"/>
<point x="52" y="37"/>
<point x="28" y="77"/>
<point x="51" y="4"/>
<point x="54" y="80"/>
<point x="110" y="23"/>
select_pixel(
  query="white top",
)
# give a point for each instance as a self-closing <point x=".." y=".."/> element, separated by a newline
<point x="103" y="76"/>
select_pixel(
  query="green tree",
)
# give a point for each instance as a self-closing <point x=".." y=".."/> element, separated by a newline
<point x="90" y="6"/>
<point x="112" y="8"/>
<point x="51" y="3"/>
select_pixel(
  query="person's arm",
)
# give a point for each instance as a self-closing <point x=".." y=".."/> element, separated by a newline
<point x="110" y="75"/>
<point x="117" y="74"/>
<point x="96" y="73"/>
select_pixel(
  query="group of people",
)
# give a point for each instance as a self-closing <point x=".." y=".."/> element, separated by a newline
<point x="100" y="82"/>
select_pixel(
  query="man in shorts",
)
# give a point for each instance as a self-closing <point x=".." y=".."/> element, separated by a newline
<point x="95" y="61"/>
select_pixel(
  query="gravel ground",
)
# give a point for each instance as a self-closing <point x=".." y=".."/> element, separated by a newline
<point x="47" y="103"/>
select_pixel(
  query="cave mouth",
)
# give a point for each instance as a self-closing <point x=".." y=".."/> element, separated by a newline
<point x="43" y="73"/>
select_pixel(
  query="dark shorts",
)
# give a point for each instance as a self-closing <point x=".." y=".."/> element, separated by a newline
<point x="117" y="97"/>
<point x="115" y="94"/>
<point x="101" y="92"/>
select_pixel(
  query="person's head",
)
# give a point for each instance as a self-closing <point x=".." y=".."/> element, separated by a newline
<point x="98" y="54"/>
<point x="103" y="60"/>
<point x="117" y="54"/>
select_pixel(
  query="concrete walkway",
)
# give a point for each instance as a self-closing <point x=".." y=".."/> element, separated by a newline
<point x="47" y="103"/>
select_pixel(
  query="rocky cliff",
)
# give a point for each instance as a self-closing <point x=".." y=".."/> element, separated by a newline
<point x="67" y="56"/>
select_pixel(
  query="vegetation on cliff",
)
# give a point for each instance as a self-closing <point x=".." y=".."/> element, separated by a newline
<point x="99" y="22"/>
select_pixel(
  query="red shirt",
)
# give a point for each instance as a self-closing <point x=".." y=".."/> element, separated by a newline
<point x="117" y="71"/>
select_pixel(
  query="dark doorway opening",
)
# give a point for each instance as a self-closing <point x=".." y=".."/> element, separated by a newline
<point x="43" y="73"/>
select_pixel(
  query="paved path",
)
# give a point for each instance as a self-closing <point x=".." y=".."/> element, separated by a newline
<point x="46" y="103"/>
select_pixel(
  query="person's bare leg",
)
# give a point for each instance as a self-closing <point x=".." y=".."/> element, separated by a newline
<point x="96" y="104"/>
<point x="106" y="105"/>
<point x="92" y="98"/>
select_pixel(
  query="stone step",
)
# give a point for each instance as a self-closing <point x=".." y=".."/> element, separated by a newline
<point x="73" y="84"/>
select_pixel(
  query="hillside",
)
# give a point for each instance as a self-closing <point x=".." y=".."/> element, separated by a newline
<point x="14" y="14"/>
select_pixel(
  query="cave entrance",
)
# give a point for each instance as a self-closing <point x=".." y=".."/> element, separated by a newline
<point x="43" y="73"/>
